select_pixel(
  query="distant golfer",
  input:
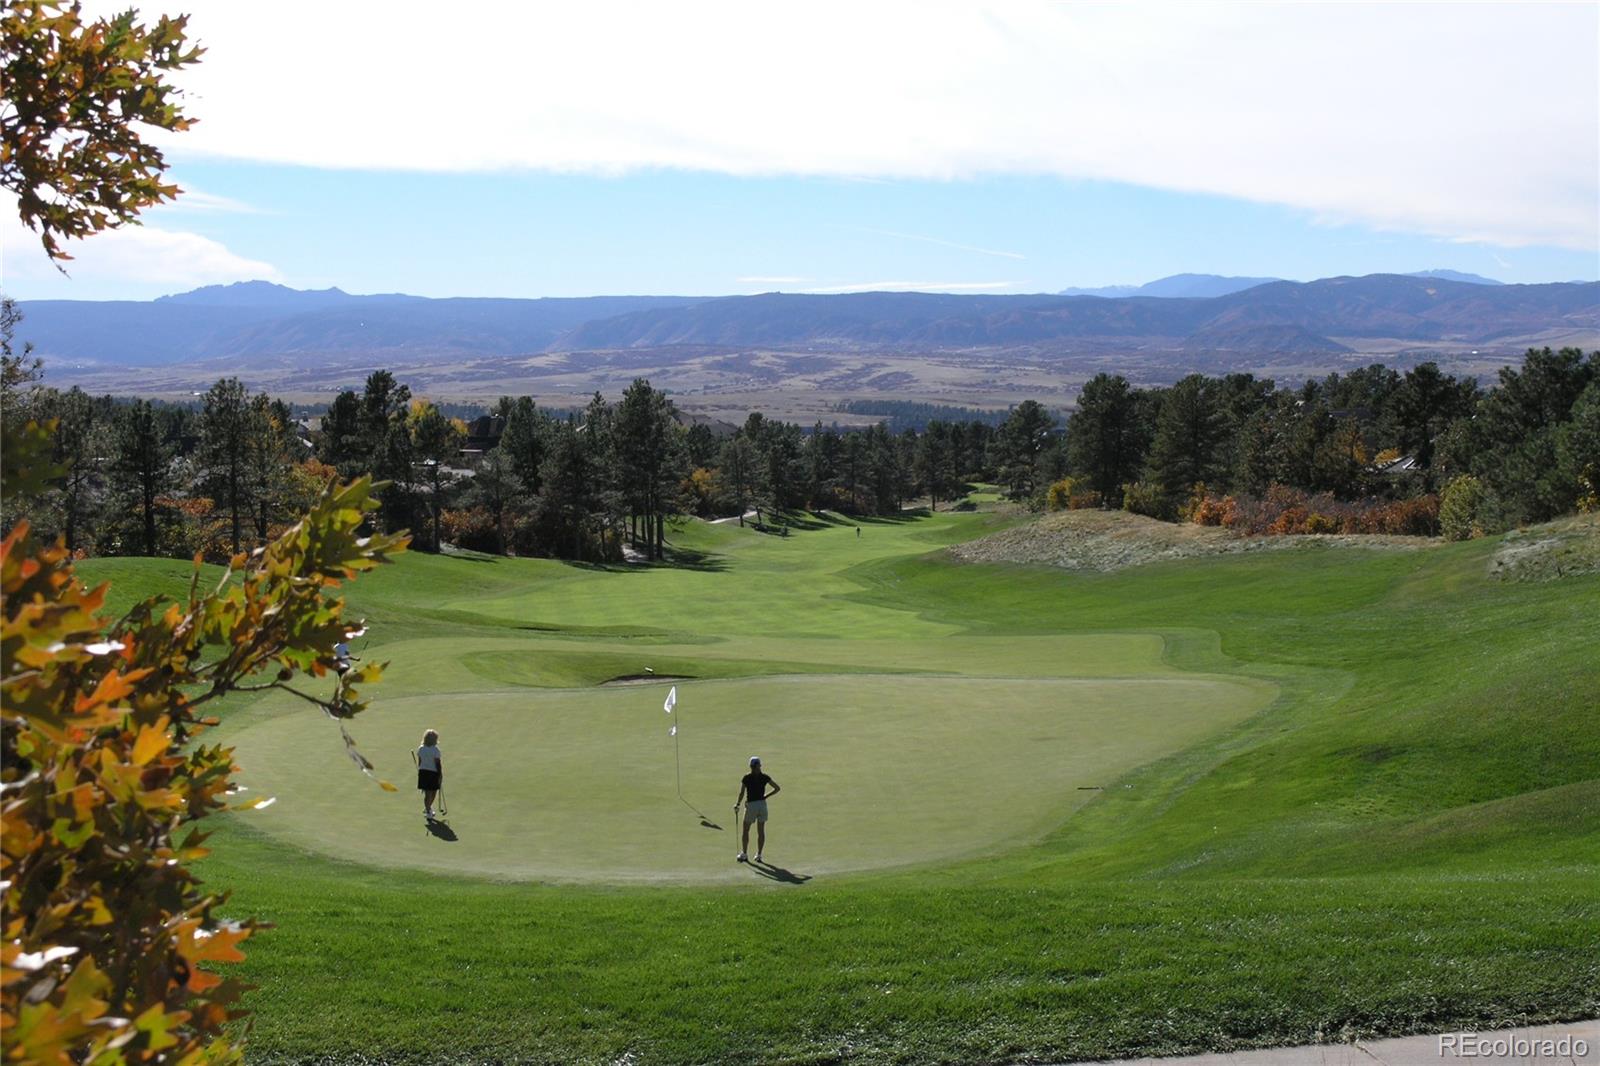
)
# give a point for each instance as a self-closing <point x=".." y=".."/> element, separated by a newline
<point x="430" y="771"/>
<point x="858" y="532"/>
<point x="753" y="794"/>
<point x="342" y="657"/>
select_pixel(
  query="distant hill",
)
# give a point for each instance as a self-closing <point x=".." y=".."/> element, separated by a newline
<point x="1455" y="275"/>
<point x="1273" y="317"/>
<point x="257" y="318"/>
<point x="251" y="321"/>
<point x="261" y="294"/>
<point x="1178" y="286"/>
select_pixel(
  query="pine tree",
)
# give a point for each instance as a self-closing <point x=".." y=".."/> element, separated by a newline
<point x="141" y="466"/>
<point x="1021" y="439"/>
<point x="1190" y="442"/>
<point x="225" y="435"/>
<point x="1106" y="438"/>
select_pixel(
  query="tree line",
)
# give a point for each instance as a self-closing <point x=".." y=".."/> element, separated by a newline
<point x="228" y="472"/>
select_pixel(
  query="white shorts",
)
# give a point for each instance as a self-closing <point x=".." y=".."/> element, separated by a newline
<point x="755" y="811"/>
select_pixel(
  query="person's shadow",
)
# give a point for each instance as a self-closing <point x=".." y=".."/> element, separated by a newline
<point x="778" y="873"/>
<point x="442" y="830"/>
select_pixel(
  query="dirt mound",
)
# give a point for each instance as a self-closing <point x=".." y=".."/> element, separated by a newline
<point x="1114" y="540"/>
<point x="1566" y="547"/>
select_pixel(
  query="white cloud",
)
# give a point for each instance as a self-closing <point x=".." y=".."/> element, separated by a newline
<point x="145" y="256"/>
<point x="942" y="243"/>
<point x="1474" y="122"/>
<point x="192" y="199"/>
<point x="913" y="286"/>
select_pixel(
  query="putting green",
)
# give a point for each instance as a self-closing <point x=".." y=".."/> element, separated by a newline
<point x="579" y="784"/>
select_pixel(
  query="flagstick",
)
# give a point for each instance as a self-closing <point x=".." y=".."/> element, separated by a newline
<point x="671" y="707"/>
<point x="677" y="761"/>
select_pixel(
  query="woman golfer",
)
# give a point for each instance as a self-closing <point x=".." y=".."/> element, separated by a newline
<point x="430" y="771"/>
<point x="753" y="788"/>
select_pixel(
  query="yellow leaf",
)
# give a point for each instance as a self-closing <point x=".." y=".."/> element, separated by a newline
<point x="152" y="742"/>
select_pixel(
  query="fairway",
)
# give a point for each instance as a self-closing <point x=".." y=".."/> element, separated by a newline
<point x="581" y="785"/>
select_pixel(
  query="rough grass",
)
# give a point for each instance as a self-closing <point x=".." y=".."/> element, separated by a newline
<point x="1104" y="541"/>
<point x="1407" y="839"/>
<point x="1566" y="548"/>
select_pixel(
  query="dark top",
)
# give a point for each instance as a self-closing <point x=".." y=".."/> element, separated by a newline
<point x="755" y="785"/>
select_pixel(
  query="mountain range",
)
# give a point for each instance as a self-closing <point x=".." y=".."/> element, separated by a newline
<point x="1205" y="285"/>
<point x="249" y="321"/>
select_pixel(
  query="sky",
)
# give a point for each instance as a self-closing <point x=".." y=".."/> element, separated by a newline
<point x="577" y="149"/>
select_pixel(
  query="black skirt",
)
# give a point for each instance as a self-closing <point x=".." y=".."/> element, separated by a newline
<point x="428" y="780"/>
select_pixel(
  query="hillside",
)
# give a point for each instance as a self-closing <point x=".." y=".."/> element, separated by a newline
<point x="1315" y="316"/>
<point x="255" y="320"/>
<point x="240" y="322"/>
<point x="1106" y="541"/>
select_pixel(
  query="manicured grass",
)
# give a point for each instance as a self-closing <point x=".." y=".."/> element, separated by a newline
<point x="581" y="784"/>
<point x="1407" y="837"/>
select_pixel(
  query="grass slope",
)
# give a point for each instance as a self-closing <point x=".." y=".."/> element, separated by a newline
<point x="1407" y="838"/>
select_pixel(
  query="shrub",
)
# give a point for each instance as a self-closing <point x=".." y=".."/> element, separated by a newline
<point x="1289" y="521"/>
<point x="471" y="528"/>
<point x="1196" y="499"/>
<point x="108" y="937"/>
<point x="1417" y="517"/>
<point x="1212" y="511"/>
<point x="1461" y="508"/>
<point x="1058" y="497"/>
<point x="1084" y="500"/>
<point x="1321" y="523"/>
<point x="1141" y="497"/>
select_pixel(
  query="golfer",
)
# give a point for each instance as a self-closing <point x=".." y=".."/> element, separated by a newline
<point x="753" y="793"/>
<point x="430" y="771"/>
<point x="342" y="657"/>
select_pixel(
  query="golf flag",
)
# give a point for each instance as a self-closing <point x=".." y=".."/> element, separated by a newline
<point x="672" y="700"/>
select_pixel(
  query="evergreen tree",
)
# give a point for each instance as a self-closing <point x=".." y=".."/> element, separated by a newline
<point x="343" y="445"/>
<point x="649" y="460"/>
<point x="225" y="440"/>
<point x="385" y="441"/>
<point x="1190" y="445"/>
<point x="523" y="441"/>
<point x="141" y="466"/>
<point x="700" y="445"/>
<point x="736" y="473"/>
<point x="567" y="478"/>
<point x="605" y="505"/>
<point x="1018" y="444"/>
<point x="498" y="490"/>
<point x="935" y="463"/>
<point x="78" y="443"/>
<point x="821" y="463"/>
<point x="1422" y="407"/>
<point x="435" y="441"/>
<point x="1511" y="444"/>
<point x="1106" y="440"/>
<point x="269" y="460"/>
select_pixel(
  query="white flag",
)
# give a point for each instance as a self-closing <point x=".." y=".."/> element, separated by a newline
<point x="672" y="700"/>
<point x="673" y="731"/>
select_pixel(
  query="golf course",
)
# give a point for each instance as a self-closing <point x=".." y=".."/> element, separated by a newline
<point x="1027" y="813"/>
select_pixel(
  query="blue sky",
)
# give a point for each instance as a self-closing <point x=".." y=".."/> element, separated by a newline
<point x="531" y="234"/>
<point x="985" y="147"/>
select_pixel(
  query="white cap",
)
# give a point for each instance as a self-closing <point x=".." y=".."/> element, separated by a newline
<point x="755" y="760"/>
